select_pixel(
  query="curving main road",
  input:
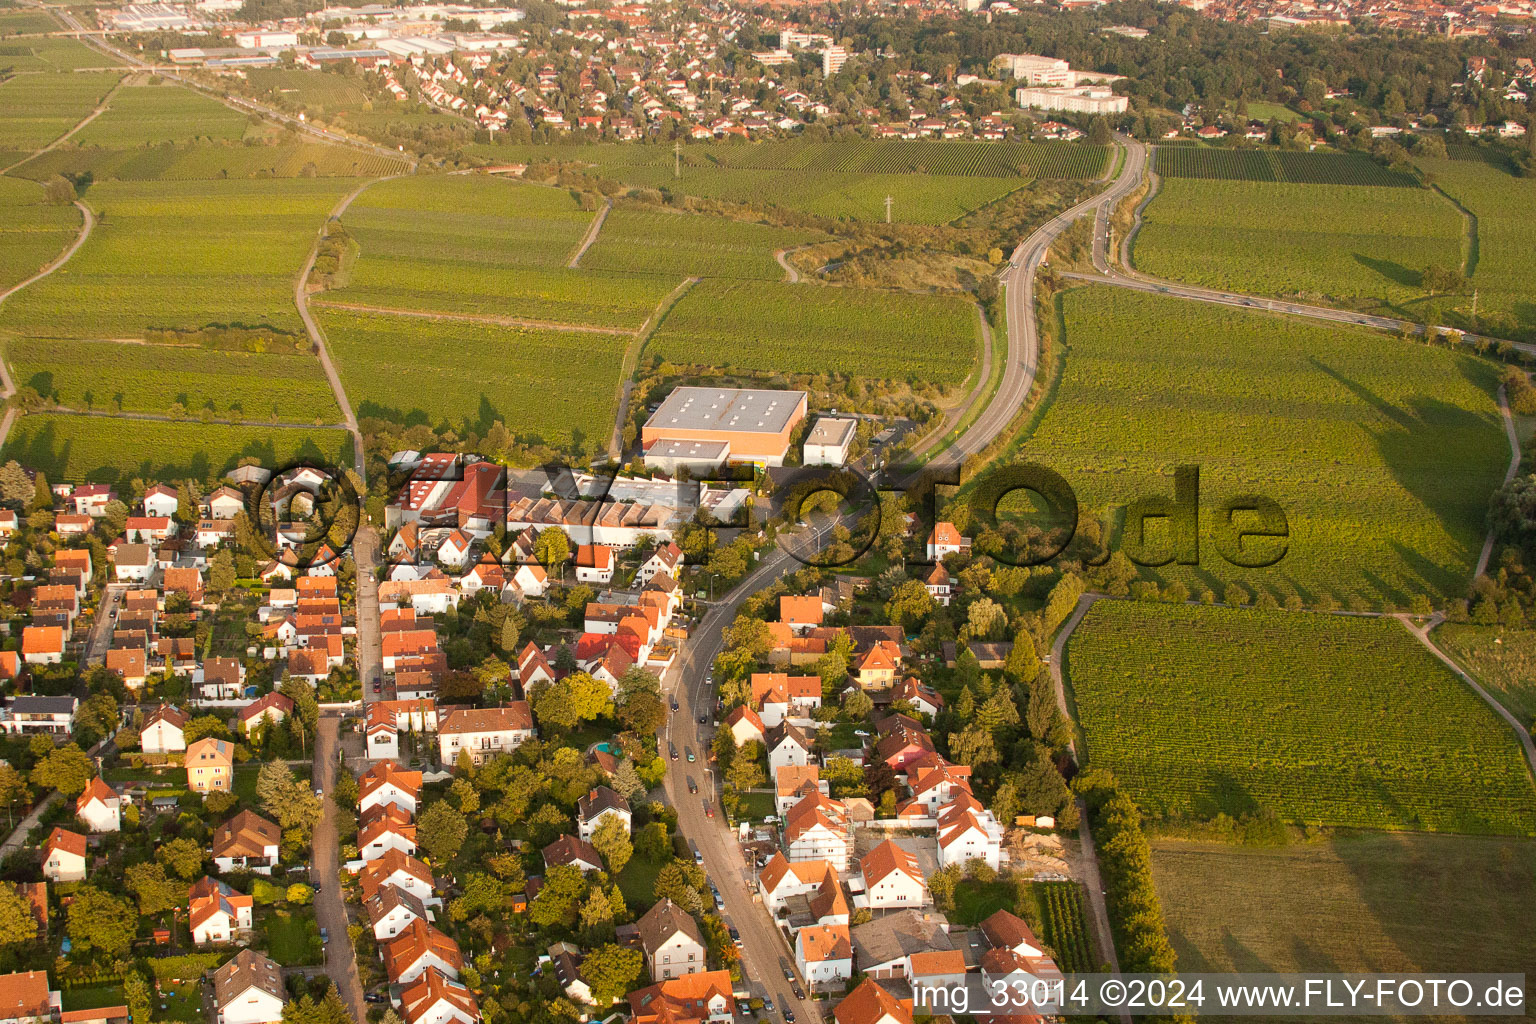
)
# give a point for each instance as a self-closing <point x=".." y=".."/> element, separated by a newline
<point x="1019" y="287"/>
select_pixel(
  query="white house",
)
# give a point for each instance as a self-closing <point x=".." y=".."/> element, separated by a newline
<point x="217" y="912"/>
<point x="249" y="990"/>
<point x="385" y="784"/>
<point x="418" y="949"/>
<point x="391" y="910"/>
<point x="161" y="501"/>
<point x="594" y="564"/>
<point x="967" y="831"/>
<point x="385" y="827"/>
<point x="484" y="732"/>
<point x="436" y="998"/>
<point x="890" y="877"/>
<point x="666" y="559"/>
<point x="133" y="563"/>
<point x="824" y="953"/>
<point x="945" y="540"/>
<point x="99" y="807"/>
<point x="403" y="871"/>
<point x="787" y="746"/>
<point x="163" y="731"/>
<point x="64" y="856"/>
<point x="598" y="804"/>
<point x="817" y="828"/>
<point x="672" y="942"/>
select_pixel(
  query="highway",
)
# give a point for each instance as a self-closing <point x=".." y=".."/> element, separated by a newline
<point x="1125" y="275"/>
<point x="1018" y="281"/>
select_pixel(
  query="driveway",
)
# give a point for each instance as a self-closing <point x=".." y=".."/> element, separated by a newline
<point x="100" y="637"/>
<point x="325" y="872"/>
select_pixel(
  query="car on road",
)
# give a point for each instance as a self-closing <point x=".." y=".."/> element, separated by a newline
<point x="795" y="988"/>
<point x="377" y="687"/>
<point x="690" y="755"/>
<point x="325" y="936"/>
<point x="704" y="718"/>
<point x="693" y="787"/>
<point x="789" y="1016"/>
<point x="767" y="1005"/>
<point x="789" y="975"/>
<point x="734" y="934"/>
<point x="672" y="749"/>
<point x="709" y="809"/>
<point x="674" y="703"/>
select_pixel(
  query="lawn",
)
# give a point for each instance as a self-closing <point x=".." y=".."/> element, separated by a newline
<point x="1318" y="719"/>
<point x="1381" y="452"/>
<point x="769" y="327"/>
<point x="547" y="386"/>
<point x="1370" y="903"/>
<point x="1503" y="660"/>
<point x="756" y="806"/>
<point x="638" y="881"/>
<point x="151" y="378"/>
<point x="678" y="245"/>
<point x="32" y="232"/>
<point x="146" y="115"/>
<point x="1506" y="246"/>
<point x="293" y="939"/>
<point x="181" y="255"/>
<point x="90" y="997"/>
<point x="1323" y="242"/>
<point x="976" y="901"/>
<point x="105" y="450"/>
<point x="245" y="782"/>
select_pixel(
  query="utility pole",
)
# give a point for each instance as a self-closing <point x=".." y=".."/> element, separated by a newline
<point x="887" y="209"/>
<point x="677" y="159"/>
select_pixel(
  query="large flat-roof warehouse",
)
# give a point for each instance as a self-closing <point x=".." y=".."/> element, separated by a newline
<point x="736" y="425"/>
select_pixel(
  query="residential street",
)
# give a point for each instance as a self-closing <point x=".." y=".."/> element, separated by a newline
<point x="762" y="945"/>
<point x="370" y="652"/>
<point x="325" y="872"/>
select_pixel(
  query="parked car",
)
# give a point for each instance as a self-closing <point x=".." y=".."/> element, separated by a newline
<point x="690" y="755"/>
<point x="693" y="787"/>
<point x="767" y="1005"/>
<point x="709" y="809"/>
<point x="672" y="749"/>
<point x="789" y="975"/>
<point x="795" y="988"/>
<point x="789" y="1016"/>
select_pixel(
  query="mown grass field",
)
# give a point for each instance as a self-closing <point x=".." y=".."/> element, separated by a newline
<point x="1503" y="660"/>
<point x="1381" y="452"/>
<point x="144" y="115"/>
<point x="678" y="245"/>
<point x="557" y="387"/>
<point x="32" y="232"/>
<point x="1363" y="903"/>
<point x="764" y="327"/>
<point x="25" y="21"/>
<point x="1321" y="241"/>
<point x="1506" y="248"/>
<point x="105" y="450"/>
<point x="36" y="109"/>
<point x="152" y="378"/>
<point x="327" y="92"/>
<point x="180" y="255"/>
<point x="192" y="161"/>
<point x="1319" y="719"/>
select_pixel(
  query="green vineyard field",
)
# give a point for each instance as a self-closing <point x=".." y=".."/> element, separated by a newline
<point x="1319" y="719"/>
<point x="1321" y="241"/>
<point x="1066" y="926"/>
<point x="553" y="387"/>
<point x="681" y="245"/>
<point x="151" y="378"/>
<point x="36" y="109"/>
<point x="1506" y="249"/>
<point x="1381" y="452"/>
<point x="763" y="327"/>
<point x="1271" y="165"/>
<point x="190" y="162"/>
<point x="32" y="233"/>
<point x="107" y="450"/>
<point x="151" y="114"/>
<point x="181" y="255"/>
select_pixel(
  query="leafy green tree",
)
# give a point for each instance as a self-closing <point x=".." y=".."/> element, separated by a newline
<point x="183" y="856"/>
<point x="13" y="790"/>
<point x="552" y="549"/>
<point x="99" y="921"/>
<point x="626" y="780"/>
<point x="154" y="892"/>
<point x="204" y="726"/>
<point x="611" y="971"/>
<point x="66" y="769"/>
<point x="136" y="996"/>
<point x="288" y="799"/>
<point x="441" y="831"/>
<point x="640" y="707"/>
<point x="611" y="839"/>
<point x="97" y="714"/>
<point x="651" y="842"/>
<point x="909" y="605"/>
<point x="221" y="572"/>
<point x="16" y="921"/>
<point x="556" y="902"/>
<point x="15" y="487"/>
